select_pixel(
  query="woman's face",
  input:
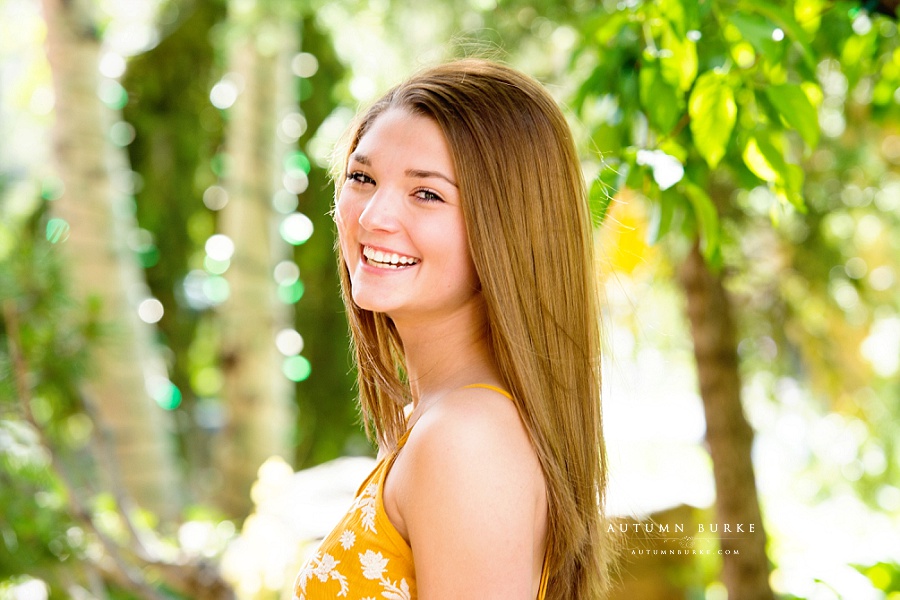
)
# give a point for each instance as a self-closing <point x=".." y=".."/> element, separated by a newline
<point x="400" y="222"/>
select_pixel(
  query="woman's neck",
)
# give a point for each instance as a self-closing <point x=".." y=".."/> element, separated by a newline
<point x="443" y="354"/>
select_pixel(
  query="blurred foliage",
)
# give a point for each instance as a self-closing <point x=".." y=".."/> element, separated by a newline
<point x="38" y="531"/>
<point x="884" y="576"/>
<point x="768" y="129"/>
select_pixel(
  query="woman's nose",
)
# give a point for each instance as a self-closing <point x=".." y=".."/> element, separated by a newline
<point x="381" y="211"/>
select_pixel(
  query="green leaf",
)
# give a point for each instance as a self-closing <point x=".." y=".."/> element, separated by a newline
<point x="674" y="11"/>
<point x="784" y="19"/>
<point x="660" y="101"/>
<point x="790" y="190"/>
<point x="610" y="27"/>
<point x="757" y="30"/>
<point x="796" y="110"/>
<point x="764" y="159"/>
<point x="757" y="163"/>
<point x="713" y="112"/>
<point x="707" y="219"/>
<point x="678" y="59"/>
<point x="661" y="212"/>
<point x="600" y="196"/>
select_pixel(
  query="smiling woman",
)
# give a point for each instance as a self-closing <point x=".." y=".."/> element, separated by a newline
<point x="466" y="264"/>
<point x="402" y="232"/>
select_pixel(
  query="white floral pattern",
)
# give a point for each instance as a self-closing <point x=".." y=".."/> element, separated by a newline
<point x="348" y="538"/>
<point x="395" y="590"/>
<point x="366" y="504"/>
<point x="373" y="564"/>
<point x="325" y="570"/>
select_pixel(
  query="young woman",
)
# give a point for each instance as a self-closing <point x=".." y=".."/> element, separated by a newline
<point x="467" y="272"/>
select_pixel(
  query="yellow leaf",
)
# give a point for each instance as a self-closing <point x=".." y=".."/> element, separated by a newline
<point x="756" y="162"/>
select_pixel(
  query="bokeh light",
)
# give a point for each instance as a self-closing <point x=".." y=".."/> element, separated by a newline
<point x="121" y="133"/>
<point x="292" y="127"/>
<point x="304" y="65"/>
<point x="289" y="342"/>
<point x="224" y="94"/>
<point x="295" y="182"/>
<point x="112" y="65"/>
<point x="286" y="272"/>
<point x="216" y="267"/>
<point x="285" y="202"/>
<point x="164" y="392"/>
<point x="150" y="310"/>
<point x="112" y="94"/>
<point x="57" y="230"/>
<point x="297" y="162"/>
<point x="296" y="368"/>
<point x="215" y="197"/>
<point x="296" y="228"/>
<point x="291" y="293"/>
<point x="219" y="247"/>
<point x="216" y="289"/>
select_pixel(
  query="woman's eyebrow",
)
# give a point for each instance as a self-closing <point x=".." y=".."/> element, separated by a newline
<point x="423" y="174"/>
<point x="416" y="173"/>
<point x="361" y="159"/>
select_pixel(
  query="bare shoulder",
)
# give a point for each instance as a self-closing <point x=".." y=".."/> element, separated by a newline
<point x="477" y="407"/>
<point x="476" y="496"/>
<point x="471" y="428"/>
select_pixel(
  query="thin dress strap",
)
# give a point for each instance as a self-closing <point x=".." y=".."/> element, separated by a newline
<point x="488" y="386"/>
<point x="545" y="576"/>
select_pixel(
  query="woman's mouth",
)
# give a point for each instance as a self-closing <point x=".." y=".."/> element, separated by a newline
<point x="387" y="260"/>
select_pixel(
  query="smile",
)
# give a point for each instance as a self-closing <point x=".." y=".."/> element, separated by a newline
<point x="387" y="260"/>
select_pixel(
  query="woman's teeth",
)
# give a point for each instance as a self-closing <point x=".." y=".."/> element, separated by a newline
<point x="387" y="260"/>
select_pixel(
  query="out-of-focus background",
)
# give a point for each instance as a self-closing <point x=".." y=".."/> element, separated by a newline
<point x="177" y="414"/>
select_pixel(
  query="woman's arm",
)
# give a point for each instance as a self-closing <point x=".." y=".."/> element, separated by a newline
<point x="473" y="500"/>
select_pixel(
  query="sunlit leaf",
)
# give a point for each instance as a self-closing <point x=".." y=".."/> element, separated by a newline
<point x="678" y="59"/>
<point x="808" y="14"/>
<point x="797" y="111"/>
<point x="674" y="12"/>
<point x="713" y="112"/>
<point x="601" y="194"/>
<point x="764" y="160"/>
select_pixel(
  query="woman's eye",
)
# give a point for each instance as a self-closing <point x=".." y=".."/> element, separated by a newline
<point x="359" y="177"/>
<point x="428" y="196"/>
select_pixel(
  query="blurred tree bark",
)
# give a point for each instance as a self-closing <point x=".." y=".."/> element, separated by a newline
<point x="106" y="277"/>
<point x="729" y="437"/>
<point x="263" y="38"/>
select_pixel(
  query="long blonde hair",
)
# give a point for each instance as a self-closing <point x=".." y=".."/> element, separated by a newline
<point x="529" y="230"/>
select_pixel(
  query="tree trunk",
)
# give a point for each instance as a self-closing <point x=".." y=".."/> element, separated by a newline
<point x="258" y="397"/>
<point x="104" y="273"/>
<point x="728" y="434"/>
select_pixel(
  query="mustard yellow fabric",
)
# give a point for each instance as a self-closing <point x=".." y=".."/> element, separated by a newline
<point x="365" y="557"/>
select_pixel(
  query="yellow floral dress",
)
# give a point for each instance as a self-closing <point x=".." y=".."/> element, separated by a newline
<point x="365" y="557"/>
